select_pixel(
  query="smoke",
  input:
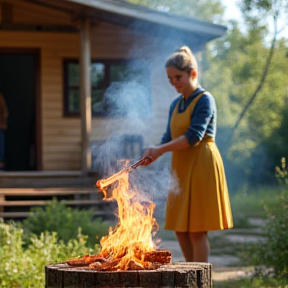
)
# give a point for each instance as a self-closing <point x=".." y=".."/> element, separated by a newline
<point x="155" y="182"/>
<point x="130" y="98"/>
<point x="136" y="104"/>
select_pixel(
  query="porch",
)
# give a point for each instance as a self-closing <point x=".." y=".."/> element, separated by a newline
<point x="20" y="191"/>
<point x="41" y="179"/>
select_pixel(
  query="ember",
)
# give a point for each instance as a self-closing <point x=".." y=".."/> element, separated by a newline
<point x="129" y="245"/>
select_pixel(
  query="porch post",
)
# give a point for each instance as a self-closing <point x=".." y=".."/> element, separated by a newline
<point x="85" y="94"/>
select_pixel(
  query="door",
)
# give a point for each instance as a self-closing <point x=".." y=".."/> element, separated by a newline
<point x="18" y="84"/>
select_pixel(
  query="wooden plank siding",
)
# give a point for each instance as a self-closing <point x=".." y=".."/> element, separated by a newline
<point x="24" y="12"/>
<point x="61" y="137"/>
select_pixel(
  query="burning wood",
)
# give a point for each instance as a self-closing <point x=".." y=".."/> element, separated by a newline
<point x="86" y="260"/>
<point x="146" y="261"/>
<point x="129" y="245"/>
<point x="101" y="184"/>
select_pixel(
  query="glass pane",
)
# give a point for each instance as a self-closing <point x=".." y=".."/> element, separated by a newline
<point x="74" y="101"/>
<point x="117" y="72"/>
<point x="129" y="90"/>
<point x="135" y="71"/>
<point x="97" y="101"/>
<point x="97" y="75"/>
<point x="73" y="74"/>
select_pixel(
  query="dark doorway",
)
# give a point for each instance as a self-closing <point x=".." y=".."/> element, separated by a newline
<point x="18" y="83"/>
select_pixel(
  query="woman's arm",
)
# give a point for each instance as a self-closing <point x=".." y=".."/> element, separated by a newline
<point x="199" y="121"/>
<point x="176" y="144"/>
<point x="204" y="111"/>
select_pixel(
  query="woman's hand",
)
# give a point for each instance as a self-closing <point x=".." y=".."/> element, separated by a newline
<point x="151" y="155"/>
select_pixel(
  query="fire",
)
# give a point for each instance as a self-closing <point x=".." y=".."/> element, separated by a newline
<point x="129" y="245"/>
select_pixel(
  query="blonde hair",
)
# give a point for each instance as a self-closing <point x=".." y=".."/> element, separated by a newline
<point x="183" y="59"/>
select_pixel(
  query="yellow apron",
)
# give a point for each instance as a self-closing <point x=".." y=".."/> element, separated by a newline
<point x="202" y="202"/>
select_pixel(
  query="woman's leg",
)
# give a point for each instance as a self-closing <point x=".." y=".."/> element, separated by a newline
<point x="186" y="245"/>
<point x="201" y="246"/>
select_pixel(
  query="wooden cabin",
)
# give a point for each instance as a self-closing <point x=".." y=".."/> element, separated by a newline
<point x="66" y="64"/>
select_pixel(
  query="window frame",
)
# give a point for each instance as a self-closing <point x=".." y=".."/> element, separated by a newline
<point x="66" y="88"/>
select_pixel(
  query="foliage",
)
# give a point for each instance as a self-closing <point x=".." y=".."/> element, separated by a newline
<point x="251" y="201"/>
<point x="256" y="282"/>
<point x="273" y="250"/>
<point x="206" y="10"/>
<point x="24" y="267"/>
<point x="64" y="220"/>
<point x="250" y="154"/>
<point x="282" y="173"/>
<point x="278" y="146"/>
<point x="277" y="9"/>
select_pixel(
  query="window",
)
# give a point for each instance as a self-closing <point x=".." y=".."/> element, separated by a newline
<point x="116" y="88"/>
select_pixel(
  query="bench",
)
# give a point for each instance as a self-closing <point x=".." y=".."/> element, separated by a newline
<point x="19" y="199"/>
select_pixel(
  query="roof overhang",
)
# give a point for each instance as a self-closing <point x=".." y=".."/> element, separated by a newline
<point x="153" y="17"/>
<point x="145" y="20"/>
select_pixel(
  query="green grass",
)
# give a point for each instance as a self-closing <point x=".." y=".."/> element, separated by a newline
<point x="248" y="203"/>
<point x="256" y="282"/>
<point x="251" y="202"/>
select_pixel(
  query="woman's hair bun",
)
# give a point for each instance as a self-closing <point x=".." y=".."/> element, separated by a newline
<point x="183" y="59"/>
<point x="185" y="49"/>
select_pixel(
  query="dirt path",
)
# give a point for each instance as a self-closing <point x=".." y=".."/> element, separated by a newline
<point x="226" y="266"/>
<point x="223" y="268"/>
<point x="215" y="260"/>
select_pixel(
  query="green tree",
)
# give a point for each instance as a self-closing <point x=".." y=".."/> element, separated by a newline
<point x="209" y="10"/>
<point x="264" y="8"/>
<point x="253" y="64"/>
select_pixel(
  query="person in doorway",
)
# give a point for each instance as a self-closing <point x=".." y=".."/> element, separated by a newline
<point x="203" y="203"/>
<point x="3" y="127"/>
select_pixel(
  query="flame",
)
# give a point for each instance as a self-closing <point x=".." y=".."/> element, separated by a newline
<point x="136" y="225"/>
<point x="129" y="245"/>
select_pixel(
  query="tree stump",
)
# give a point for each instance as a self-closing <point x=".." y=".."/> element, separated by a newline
<point x="178" y="275"/>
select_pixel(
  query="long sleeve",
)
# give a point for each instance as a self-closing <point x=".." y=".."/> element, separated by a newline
<point x="203" y="120"/>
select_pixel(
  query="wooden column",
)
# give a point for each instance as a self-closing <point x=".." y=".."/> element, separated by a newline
<point x="85" y="94"/>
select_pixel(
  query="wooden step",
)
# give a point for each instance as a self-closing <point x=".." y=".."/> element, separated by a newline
<point x="48" y="202"/>
<point x="43" y="179"/>
<point x="52" y="191"/>
<point x="20" y="215"/>
<point x="14" y="200"/>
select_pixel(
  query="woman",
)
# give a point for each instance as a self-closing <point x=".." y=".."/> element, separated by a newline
<point x="203" y="203"/>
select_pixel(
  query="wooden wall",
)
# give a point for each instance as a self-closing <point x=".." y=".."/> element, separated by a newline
<point x="61" y="136"/>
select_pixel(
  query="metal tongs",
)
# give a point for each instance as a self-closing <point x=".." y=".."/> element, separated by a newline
<point x="101" y="184"/>
<point x="136" y="164"/>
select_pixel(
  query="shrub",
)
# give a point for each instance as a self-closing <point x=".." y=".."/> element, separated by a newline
<point x="24" y="267"/>
<point x="282" y="173"/>
<point x="65" y="221"/>
<point x="273" y="251"/>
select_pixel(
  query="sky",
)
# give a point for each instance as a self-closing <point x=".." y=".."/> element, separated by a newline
<point x="233" y="12"/>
